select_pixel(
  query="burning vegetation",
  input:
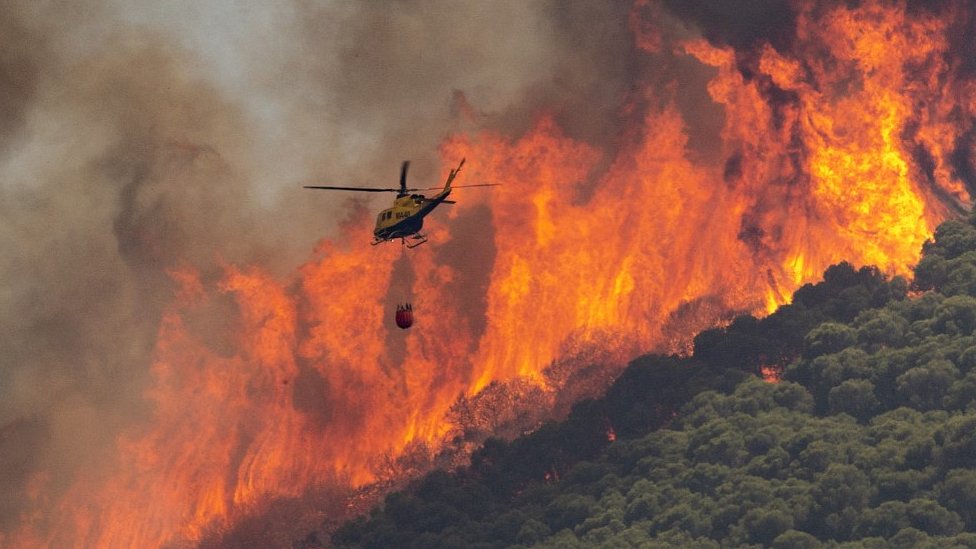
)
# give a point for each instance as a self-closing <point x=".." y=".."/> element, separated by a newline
<point x="741" y="162"/>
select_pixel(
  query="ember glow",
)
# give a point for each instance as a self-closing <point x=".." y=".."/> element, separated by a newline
<point x="851" y="143"/>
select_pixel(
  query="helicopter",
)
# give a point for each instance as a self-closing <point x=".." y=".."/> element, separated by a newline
<point x="406" y="218"/>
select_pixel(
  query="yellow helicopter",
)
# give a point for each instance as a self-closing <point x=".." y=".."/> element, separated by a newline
<point x="406" y="218"/>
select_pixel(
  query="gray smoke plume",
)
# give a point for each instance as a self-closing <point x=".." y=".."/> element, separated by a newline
<point x="137" y="137"/>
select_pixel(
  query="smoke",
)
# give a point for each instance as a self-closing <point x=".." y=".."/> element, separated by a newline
<point x="111" y="176"/>
<point x="140" y="137"/>
<point x="742" y="25"/>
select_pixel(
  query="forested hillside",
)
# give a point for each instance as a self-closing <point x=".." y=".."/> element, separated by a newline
<point x="868" y="440"/>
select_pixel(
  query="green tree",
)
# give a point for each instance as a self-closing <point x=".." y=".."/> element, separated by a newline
<point x="817" y="456"/>
<point x="930" y="517"/>
<point x="840" y="487"/>
<point x="924" y="387"/>
<point x="506" y="526"/>
<point x="718" y="442"/>
<point x="564" y="539"/>
<point x="829" y="337"/>
<point x="884" y="521"/>
<point x="956" y="315"/>
<point x="854" y="397"/>
<point x="959" y="442"/>
<point x="967" y="359"/>
<point x="958" y="493"/>
<point x="568" y="510"/>
<point x="685" y="516"/>
<point x="764" y="524"/>
<point x="879" y="328"/>
<point x="931" y="272"/>
<point x="909" y="538"/>
<point x="794" y="539"/>
<point x="960" y="279"/>
<point x="532" y="531"/>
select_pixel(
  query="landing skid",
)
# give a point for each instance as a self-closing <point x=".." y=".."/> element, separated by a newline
<point x="418" y="238"/>
<point x="415" y="240"/>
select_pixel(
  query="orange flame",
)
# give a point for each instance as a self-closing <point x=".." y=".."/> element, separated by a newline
<point x="316" y="388"/>
<point x="771" y="373"/>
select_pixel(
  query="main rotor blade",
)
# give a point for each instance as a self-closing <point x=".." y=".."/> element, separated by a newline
<point x="457" y="186"/>
<point x="363" y="189"/>
<point x="373" y="190"/>
<point x="403" y="176"/>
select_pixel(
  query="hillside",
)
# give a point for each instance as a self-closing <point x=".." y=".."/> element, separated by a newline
<point x="868" y="439"/>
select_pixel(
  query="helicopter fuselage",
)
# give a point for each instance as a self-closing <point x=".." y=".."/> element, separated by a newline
<point x="405" y="218"/>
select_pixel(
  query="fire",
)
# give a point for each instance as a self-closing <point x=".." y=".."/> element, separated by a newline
<point x="592" y="250"/>
<point x="771" y="373"/>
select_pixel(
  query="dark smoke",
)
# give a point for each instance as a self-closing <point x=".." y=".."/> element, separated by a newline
<point x="962" y="39"/>
<point x="963" y="158"/>
<point x="744" y="24"/>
